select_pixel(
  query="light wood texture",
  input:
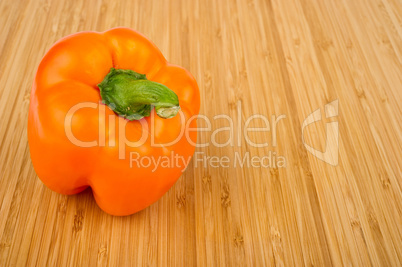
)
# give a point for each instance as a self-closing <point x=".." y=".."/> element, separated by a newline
<point x="272" y="57"/>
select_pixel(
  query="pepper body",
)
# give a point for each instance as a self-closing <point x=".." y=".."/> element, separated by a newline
<point x="100" y="149"/>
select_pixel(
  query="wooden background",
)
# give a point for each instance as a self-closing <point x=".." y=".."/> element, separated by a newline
<point x="276" y="57"/>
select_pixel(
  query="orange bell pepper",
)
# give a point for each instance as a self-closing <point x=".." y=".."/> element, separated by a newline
<point x="105" y="109"/>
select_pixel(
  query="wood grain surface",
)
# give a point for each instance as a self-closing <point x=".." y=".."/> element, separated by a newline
<point x="249" y="57"/>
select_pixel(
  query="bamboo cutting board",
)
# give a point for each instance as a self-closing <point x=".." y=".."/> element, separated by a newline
<point x="331" y="194"/>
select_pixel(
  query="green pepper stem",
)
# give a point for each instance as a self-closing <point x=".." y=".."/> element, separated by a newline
<point x="132" y="96"/>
